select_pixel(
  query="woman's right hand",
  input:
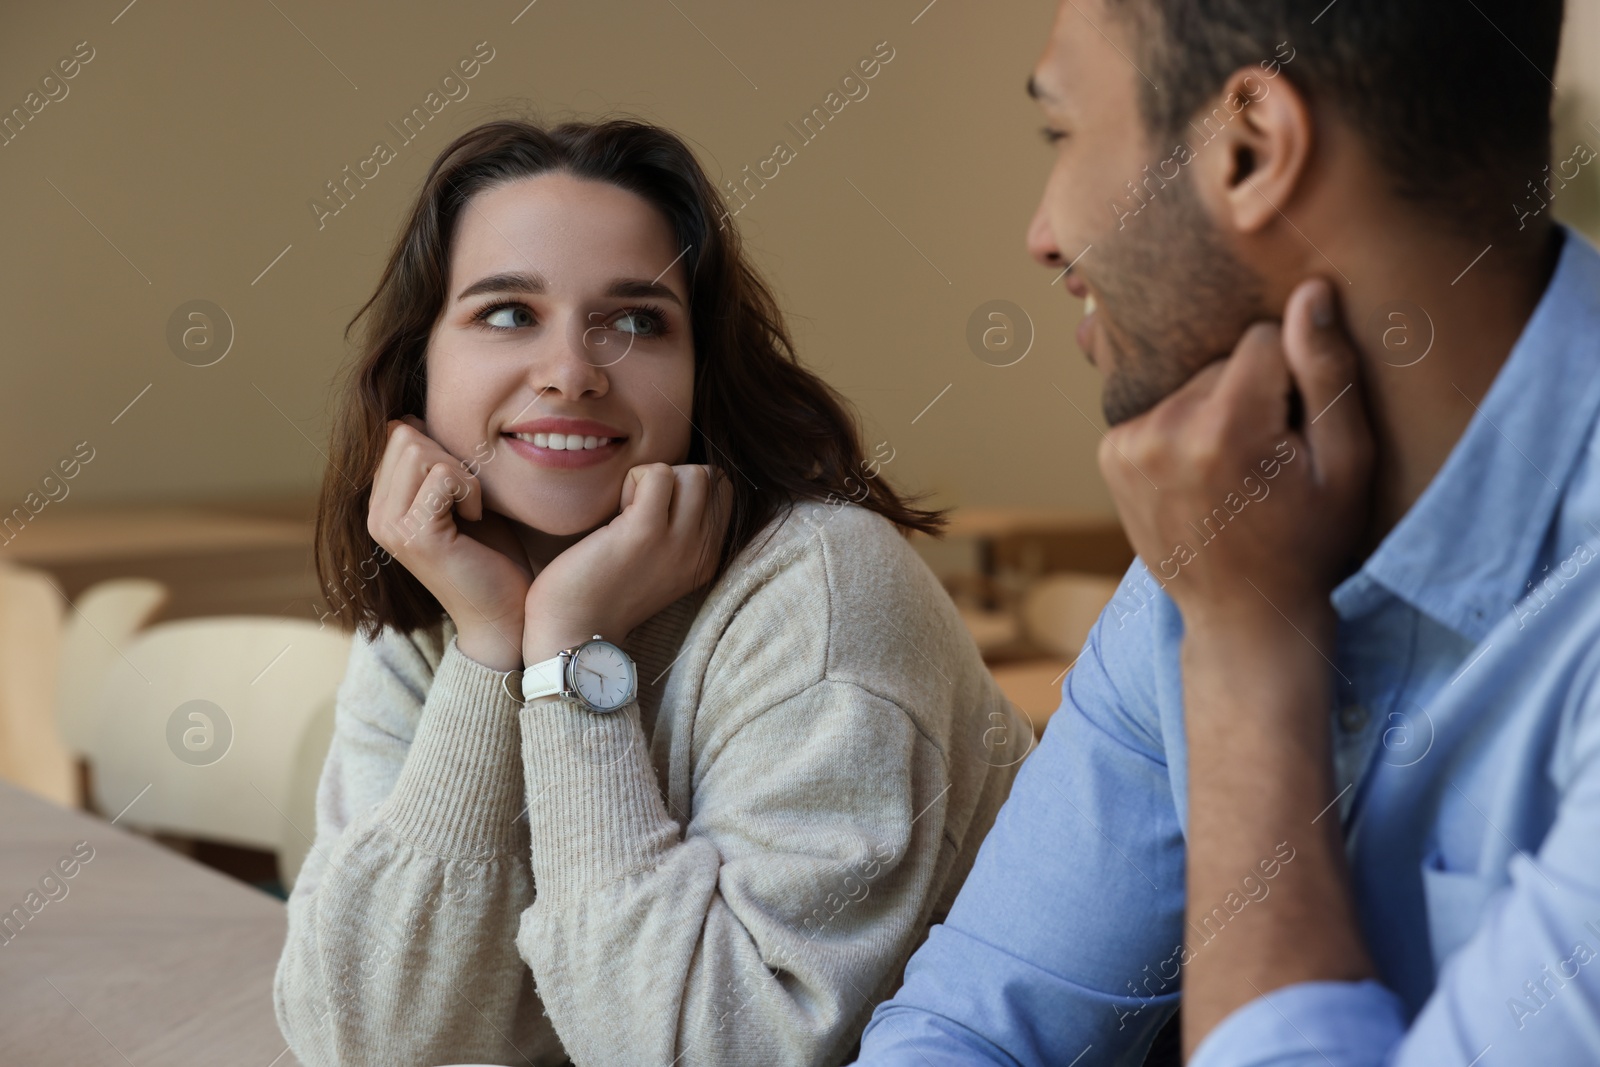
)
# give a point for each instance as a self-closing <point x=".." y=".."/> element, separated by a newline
<point x="427" y="511"/>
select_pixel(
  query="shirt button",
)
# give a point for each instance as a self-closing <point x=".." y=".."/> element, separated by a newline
<point x="1353" y="718"/>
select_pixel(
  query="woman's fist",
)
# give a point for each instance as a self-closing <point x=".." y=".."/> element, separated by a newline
<point x="427" y="511"/>
<point x="662" y="545"/>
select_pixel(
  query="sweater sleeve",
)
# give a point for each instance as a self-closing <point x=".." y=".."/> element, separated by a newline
<point x="407" y="907"/>
<point x="761" y="928"/>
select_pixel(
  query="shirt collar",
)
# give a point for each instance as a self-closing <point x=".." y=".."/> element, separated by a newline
<point x="1462" y="553"/>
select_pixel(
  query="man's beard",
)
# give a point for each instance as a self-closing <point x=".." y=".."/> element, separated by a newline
<point x="1179" y="296"/>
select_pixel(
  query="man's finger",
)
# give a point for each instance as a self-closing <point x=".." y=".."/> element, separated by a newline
<point x="1257" y="377"/>
<point x="1323" y="361"/>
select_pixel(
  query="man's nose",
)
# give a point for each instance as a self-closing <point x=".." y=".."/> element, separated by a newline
<point x="1042" y="240"/>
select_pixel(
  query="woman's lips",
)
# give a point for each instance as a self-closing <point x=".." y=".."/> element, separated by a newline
<point x="564" y="458"/>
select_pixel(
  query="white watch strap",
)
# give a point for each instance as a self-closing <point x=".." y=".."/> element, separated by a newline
<point x="544" y="679"/>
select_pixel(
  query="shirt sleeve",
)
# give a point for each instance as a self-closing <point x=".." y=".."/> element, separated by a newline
<point x="1066" y="938"/>
<point x="1524" y="989"/>
<point x="401" y="939"/>
<point x="760" y="929"/>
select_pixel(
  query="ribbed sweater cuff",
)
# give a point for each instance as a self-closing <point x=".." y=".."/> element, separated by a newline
<point x="460" y="791"/>
<point x="596" y="814"/>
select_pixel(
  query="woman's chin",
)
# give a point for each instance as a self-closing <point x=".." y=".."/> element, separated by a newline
<point x="567" y="529"/>
<point x="561" y="515"/>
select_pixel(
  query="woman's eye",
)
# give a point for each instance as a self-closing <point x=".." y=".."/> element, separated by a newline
<point x="640" y="323"/>
<point x="509" y="317"/>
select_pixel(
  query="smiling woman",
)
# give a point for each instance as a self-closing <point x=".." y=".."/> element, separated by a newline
<point x="641" y="720"/>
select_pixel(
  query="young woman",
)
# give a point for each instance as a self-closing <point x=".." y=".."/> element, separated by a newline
<point x="658" y="743"/>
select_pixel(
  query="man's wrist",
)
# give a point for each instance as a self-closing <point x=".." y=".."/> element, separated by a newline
<point x="1268" y="670"/>
<point x="1263" y="628"/>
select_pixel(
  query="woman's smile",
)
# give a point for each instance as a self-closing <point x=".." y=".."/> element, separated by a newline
<point x="565" y="443"/>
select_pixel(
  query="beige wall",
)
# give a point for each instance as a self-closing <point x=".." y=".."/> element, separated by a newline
<point x="182" y="159"/>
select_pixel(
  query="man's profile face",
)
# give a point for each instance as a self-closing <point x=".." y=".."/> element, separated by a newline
<point x="1169" y="295"/>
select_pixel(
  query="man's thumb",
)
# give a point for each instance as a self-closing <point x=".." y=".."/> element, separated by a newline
<point x="1325" y="366"/>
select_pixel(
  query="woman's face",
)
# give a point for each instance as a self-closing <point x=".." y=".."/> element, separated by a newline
<point x="563" y="356"/>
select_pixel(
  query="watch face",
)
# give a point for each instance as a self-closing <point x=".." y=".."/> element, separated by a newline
<point x="602" y="674"/>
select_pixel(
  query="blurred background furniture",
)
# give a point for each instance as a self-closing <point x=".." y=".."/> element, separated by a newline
<point x="146" y="956"/>
<point x="203" y="719"/>
<point x="99" y="626"/>
<point x="245" y="558"/>
<point x="176" y="604"/>
<point x="1055" y="615"/>
<point x="125" y="568"/>
<point x="31" y="753"/>
<point x="1029" y="583"/>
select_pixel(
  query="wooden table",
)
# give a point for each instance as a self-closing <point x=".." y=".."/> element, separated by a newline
<point x="147" y="959"/>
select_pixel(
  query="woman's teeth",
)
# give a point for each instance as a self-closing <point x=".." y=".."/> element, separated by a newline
<point x="1089" y="304"/>
<point x="563" y="442"/>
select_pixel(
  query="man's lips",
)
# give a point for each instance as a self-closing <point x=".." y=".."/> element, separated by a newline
<point x="1079" y="288"/>
<point x="1085" y="335"/>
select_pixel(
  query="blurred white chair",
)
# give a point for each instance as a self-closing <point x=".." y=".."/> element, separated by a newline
<point x="200" y="721"/>
<point x="1059" y="610"/>
<point x="301" y="809"/>
<point x="990" y="630"/>
<point x="104" y="618"/>
<point x="31" y="755"/>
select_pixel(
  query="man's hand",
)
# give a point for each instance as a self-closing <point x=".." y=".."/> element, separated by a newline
<point x="1245" y="498"/>
<point x="1256" y="519"/>
<point x="662" y="545"/>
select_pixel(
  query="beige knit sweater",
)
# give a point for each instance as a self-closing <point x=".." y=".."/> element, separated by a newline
<point x="732" y="870"/>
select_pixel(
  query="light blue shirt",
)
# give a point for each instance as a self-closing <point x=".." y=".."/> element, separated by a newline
<point x="1467" y="749"/>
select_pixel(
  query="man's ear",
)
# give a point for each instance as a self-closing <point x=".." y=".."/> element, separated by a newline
<point x="1257" y="161"/>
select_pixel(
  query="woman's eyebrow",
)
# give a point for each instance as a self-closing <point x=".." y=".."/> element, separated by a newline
<point x="506" y="282"/>
<point x="521" y="282"/>
<point x="638" y="287"/>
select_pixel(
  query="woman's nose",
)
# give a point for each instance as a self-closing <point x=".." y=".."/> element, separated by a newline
<point x="576" y="361"/>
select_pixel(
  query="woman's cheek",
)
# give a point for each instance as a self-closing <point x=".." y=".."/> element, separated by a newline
<point x="664" y="408"/>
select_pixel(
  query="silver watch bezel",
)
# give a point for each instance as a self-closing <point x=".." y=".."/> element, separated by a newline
<point x="569" y="659"/>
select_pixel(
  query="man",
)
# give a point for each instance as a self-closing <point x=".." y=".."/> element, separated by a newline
<point x="1328" y="769"/>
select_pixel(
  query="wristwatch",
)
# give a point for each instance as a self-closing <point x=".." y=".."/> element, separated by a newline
<point x="596" y="673"/>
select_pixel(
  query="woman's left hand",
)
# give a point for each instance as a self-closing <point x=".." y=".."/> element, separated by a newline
<point x="661" y="546"/>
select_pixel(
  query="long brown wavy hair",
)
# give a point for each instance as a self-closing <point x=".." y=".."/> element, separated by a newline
<point x="787" y="434"/>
